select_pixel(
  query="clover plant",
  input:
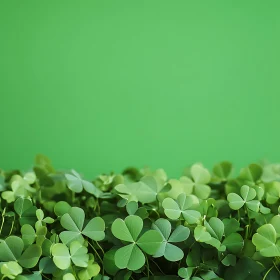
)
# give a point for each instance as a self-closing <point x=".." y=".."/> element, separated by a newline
<point x="140" y="224"/>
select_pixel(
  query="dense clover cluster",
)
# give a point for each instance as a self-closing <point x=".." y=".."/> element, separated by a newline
<point x="140" y="224"/>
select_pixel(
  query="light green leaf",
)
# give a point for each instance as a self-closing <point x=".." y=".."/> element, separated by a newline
<point x="138" y="191"/>
<point x="179" y="234"/>
<point x="128" y="229"/>
<point x="61" y="256"/>
<point x="201" y="234"/>
<point x="73" y="221"/>
<point x="61" y="208"/>
<point x="275" y="222"/>
<point x="171" y="208"/>
<point x="215" y="227"/>
<point x="150" y="241"/>
<point x="252" y="173"/>
<point x="11" y="248"/>
<point x="173" y="253"/>
<point x="247" y="193"/>
<point x="11" y="269"/>
<point x="95" y="229"/>
<point x="222" y="170"/>
<point x="129" y="257"/>
<point x="265" y="241"/>
<point x="79" y="254"/>
<point x="235" y="201"/>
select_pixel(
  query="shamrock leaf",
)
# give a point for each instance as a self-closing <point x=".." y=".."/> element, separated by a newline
<point x="222" y="170"/>
<point x="62" y="257"/>
<point x="201" y="177"/>
<point x="230" y="225"/>
<point x="26" y="211"/>
<point x="76" y="184"/>
<point x="20" y="188"/>
<point x="144" y="191"/>
<point x="202" y="235"/>
<point x="174" y="209"/>
<point x="265" y="241"/>
<point x="186" y="273"/>
<point x="41" y="220"/>
<point x="11" y="249"/>
<point x="247" y="196"/>
<point x="233" y="242"/>
<point x="10" y="269"/>
<point x="90" y="271"/>
<point x="168" y="250"/>
<point x="29" y="235"/>
<point x="131" y="256"/>
<point x="73" y="221"/>
<point x="215" y="227"/>
<point x="251" y="173"/>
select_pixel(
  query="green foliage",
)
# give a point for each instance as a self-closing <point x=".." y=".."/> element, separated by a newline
<point x="140" y="224"/>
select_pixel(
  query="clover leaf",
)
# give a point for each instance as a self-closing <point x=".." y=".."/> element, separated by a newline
<point x="138" y="191"/>
<point x="201" y="177"/>
<point x="247" y="195"/>
<point x="222" y="170"/>
<point x="129" y="229"/>
<point x="20" y="188"/>
<point x="10" y="269"/>
<point x="233" y="242"/>
<point x="26" y="211"/>
<point x="76" y="184"/>
<point x="168" y="250"/>
<point x="41" y="220"/>
<point x="173" y="209"/>
<point x="29" y="235"/>
<point x="90" y="271"/>
<point x="62" y="257"/>
<point x="73" y="221"/>
<point x="11" y="249"/>
<point x="265" y="241"/>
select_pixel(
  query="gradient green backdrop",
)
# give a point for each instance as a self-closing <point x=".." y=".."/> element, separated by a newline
<point x="100" y="85"/>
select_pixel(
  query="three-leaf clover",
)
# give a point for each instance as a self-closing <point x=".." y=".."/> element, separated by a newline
<point x="142" y="191"/>
<point x="131" y="256"/>
<point x="11" y="249"/>
<point x="76" y="184"/>
<point x="265" y="241"/>
<point x="166" y="249"/>
<point x="73" y="221"/>
<point x="173" y="209"/>
<point x="62" y="257"/>
<point x="201" y="177"/>
<point x="247" y="195"/>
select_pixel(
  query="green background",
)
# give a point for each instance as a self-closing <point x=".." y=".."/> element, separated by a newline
<point x="101" y="85"/>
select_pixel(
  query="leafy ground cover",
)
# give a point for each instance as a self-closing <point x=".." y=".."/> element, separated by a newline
<point x="140" y="224"/>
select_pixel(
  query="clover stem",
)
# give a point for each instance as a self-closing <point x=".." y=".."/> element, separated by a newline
<point x="157" y="266"/>
<point x="148" y="267"/>
<point x="238" y="215"/>
<point x="46" y="276"/>
<point x="275" y="265"/>
<point x="12" y="227"/>
<point x="3" y="219"/>
<point x="100" y="247"/>
<point x="247" y="231"/>
<point x="268" y="272"/>
<point x="97" y="256"/>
